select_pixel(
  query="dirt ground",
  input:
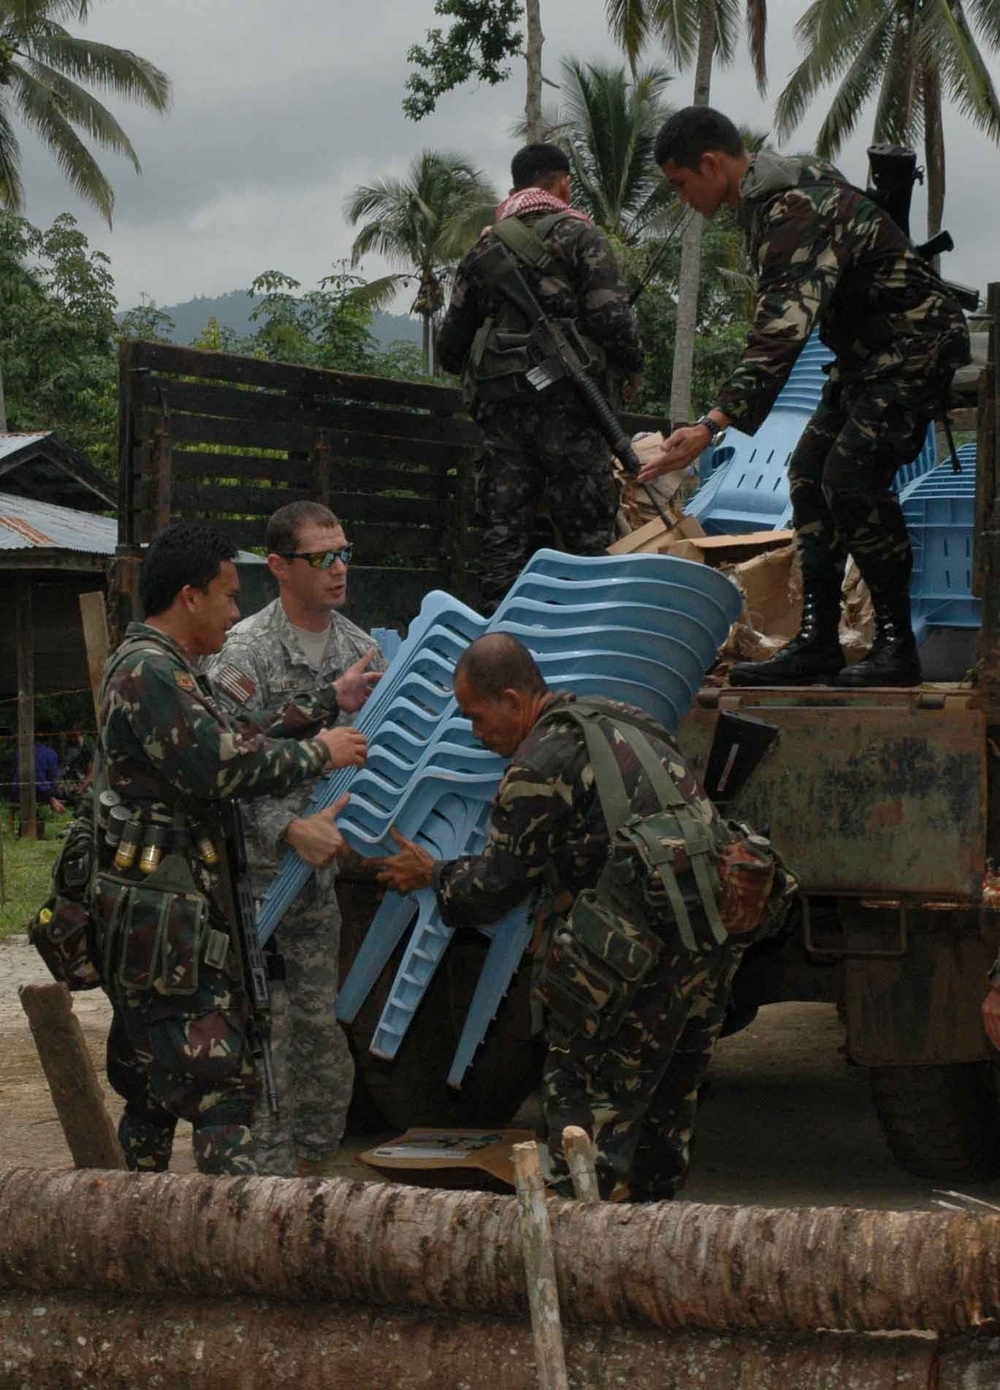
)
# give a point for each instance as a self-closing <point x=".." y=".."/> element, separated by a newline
<point x="785" y="1121"/>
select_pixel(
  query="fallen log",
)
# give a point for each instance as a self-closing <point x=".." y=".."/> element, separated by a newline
<point x="248" y="1344"/>
<point x="669" y="1265"/>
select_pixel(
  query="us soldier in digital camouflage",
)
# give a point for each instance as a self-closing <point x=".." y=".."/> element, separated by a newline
<point x="540" y="443"/>
<point x="635" y="1093"/>
<point x="302" y="642"/>
<point x="826" y="256"/>
<point x="178" y="1045"/>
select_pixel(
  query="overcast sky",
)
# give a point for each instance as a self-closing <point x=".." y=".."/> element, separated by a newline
<point x="282" y="107"/>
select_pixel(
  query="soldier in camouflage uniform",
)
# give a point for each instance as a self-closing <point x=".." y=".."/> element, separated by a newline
<point x="169" y="962"/>
<point x="636" y="1092"/>
<point x="540" y="443"/>
<point x="826" y="256"/>
<point x="301" y="643"/>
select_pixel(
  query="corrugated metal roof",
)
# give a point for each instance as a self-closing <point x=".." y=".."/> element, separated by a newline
<point x="10" y="443"/>
<point x="27" y="524"/>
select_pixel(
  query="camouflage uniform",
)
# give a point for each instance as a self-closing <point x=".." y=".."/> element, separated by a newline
<point x="545" y="442"/>
<point x="261" y="664"/>
<point x="172" y="755"/>
<point x="635" y="1093"/>
<point x="826" y="255"/>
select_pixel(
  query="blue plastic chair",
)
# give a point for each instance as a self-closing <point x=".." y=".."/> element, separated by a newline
<point x="940" y="510"/>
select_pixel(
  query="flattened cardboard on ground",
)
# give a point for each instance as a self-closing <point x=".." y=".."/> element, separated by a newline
<point x="728" y="550"/>
<point x="654" y="538"/>
<point x="424" y="1151"/>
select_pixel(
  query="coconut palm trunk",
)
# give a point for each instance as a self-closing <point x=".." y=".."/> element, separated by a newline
<point x="689" y="277"/>
<point x="933" y="149"/>
<point x="533" y="58"/>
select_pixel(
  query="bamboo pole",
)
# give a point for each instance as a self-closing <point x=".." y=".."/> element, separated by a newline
<point x="94" y="616"/>
<point x="539" y="1268"/>
<point x="665" y="1264"/>
<point x="581" y="1156"/>
<point x="69" y="1070"/>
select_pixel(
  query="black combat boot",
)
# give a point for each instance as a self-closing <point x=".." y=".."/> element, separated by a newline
<point x="893" y="659"/>
<point x="813" y="657"/>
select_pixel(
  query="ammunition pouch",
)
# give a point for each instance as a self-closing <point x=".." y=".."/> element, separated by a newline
<point x="671" y="880"/>
<point x="596" y="963"/>
<point x="61" y="931"/>
<point x="504" y="351"/>
<point x="154" y="934"/>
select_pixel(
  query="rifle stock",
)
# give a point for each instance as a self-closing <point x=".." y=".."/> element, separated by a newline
<point x="254" y="966"/>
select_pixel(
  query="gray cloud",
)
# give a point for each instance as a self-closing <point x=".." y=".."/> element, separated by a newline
<point x="283" y="106"/>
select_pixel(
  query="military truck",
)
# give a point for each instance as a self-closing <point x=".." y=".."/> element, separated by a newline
<point x="884" y="801"/>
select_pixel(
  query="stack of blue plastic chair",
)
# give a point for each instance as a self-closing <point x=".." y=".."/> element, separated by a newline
<point x="940" y="508"/>
<point x="389" y="641"/>
<point x="745" y="484"/>
<point x="640" y="628"/>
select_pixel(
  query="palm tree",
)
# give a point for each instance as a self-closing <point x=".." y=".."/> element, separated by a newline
<point x="698" y="31"/>
<point x="426" y="222"/>
<point x="608" y="125"/>
<point x="908" y="52"/>
<point x="44" y="75"/>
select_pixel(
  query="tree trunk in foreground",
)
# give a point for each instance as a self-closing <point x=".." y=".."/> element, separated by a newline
<point x="674" y="1264"/>
<point x="248" y="1344"/>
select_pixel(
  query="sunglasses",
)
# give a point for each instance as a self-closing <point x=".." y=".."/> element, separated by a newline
<point x="321" y="559"/>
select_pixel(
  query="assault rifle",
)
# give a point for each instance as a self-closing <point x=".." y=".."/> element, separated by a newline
<point x="255" y="979"/>
<point x="893" y="173"/>
<point x="556" y="359"/>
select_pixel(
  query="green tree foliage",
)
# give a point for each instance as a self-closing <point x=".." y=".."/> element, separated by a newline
<point x="57" y="334"/>
<point x="328" y="327"/>
<point x="607" y="122"/>
<point x="147" y="321"/>
<point x="483" y="36"/>
<point x="906" y="55"/>
<point x="45" y="73"/>
<point x="424" y="223"/>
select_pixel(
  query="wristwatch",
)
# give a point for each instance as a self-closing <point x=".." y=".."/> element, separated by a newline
<point x="713" y="427"/>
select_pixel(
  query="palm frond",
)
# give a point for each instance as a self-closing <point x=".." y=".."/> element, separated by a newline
<point x="11" y="188"/>
<point x="964" y="74"/>
<point x="986" y="19"/>
<point x="85" y="111"/>
<point x="756" y="22"/>
<point x="98" y="64"/>
<point x="629" y="26"/>
<point x="855" y="89"/>
<point x="376" y="294"/>
<point x="41" y="109"/>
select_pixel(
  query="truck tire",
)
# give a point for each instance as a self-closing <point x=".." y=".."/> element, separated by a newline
<point x="412" y="1089"/>
<point x="941" y="1122"/>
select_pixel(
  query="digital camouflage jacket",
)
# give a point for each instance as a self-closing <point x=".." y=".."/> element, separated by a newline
<point x="826" y="255"/>
<point x="585" y="287"/>
<point x="547" y="830"/>
<point x="262" y="667"/>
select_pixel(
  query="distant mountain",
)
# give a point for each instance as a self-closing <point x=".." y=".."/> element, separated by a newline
<point x="233" y="311"/>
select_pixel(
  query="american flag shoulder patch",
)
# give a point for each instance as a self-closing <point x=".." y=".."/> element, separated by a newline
<point x="234" y="683"/>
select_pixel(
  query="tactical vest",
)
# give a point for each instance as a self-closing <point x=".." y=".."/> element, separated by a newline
<point x="503" y="350"/>
<point x="671" y="882"/>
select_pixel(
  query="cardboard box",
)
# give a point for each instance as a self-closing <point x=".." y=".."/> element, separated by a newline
<point x="728" y="550"/>
<point x="655" y="539"/>
<point x="766" y="583"/>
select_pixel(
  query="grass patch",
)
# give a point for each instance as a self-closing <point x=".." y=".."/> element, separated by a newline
<point x="27" y="865"/>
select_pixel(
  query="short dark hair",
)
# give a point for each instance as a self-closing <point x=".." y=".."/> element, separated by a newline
<point x="538" y="164"/>
<point x="282" y="534"/>
<point x="692" y="132"/>
<point x="499" y="662"/>
<point x="188" y="552"/>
